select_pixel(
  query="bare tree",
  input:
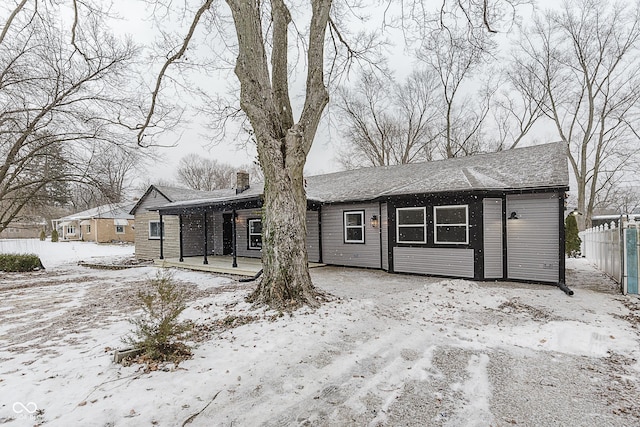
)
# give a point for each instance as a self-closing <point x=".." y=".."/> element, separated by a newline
<point x="518" y="106"/>
<point x="62" y="94"/>
<point x="586" y="58"/>
<point x="455" y="53"/>
<point x="385" y="123"/>
<point x="201" y="173"/>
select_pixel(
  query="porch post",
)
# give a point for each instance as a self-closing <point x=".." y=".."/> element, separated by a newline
<point x="181" y="245"/>
<point x="233" y="239"/>
<point x="206" y="261"/>
<point x="161" y="238"/>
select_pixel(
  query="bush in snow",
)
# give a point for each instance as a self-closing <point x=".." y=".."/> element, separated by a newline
<point x="43" y="236"/>
<point x="158" y="332"/>
<point x="54" y="236"/>
<point x="571" y="239"/>
<point x="20" y="262"/>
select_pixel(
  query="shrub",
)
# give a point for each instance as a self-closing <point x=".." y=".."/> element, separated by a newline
<point x="20" y="262"/>
<point x="54" y="236"/>
<point x="158" y="332"/>
<point x="43" y="236"/>
<point x="571" y="239"/>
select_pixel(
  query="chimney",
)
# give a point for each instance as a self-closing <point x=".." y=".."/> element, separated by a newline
<point x="242" y="181"/>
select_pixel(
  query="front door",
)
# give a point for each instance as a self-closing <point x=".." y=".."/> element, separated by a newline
<point x="227" y="234"/>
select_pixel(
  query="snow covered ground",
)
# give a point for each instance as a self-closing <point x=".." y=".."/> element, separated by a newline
<point x="388" y="350"/>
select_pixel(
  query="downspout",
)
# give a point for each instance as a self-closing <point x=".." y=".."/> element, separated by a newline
<point x="206" y="249"/>
<point x="561" y="263"/>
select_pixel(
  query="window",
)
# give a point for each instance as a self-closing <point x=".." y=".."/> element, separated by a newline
<point x="119" y="229"/>
<point x="88" y="229"/>
<point x="154" y="230"/>
<point x="451" y="224"/>
<point x="411" y="225"/>
<point x="71" y="229"/>
<point x="255" y="234"/>
<point x="354" y="227"/>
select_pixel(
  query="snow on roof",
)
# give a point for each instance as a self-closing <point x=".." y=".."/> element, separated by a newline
<point x="539" y="166"/>
<point x="105" y="211"/>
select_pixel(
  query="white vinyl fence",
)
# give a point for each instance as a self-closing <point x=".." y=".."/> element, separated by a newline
<point x="614" y="250"/>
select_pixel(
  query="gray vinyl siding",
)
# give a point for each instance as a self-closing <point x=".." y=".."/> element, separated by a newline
<point x="313" y="238"/>
<point x="242" y="232"/>
<point x="533" y="238"/>
<point x="216" y="231"/>
<point x="335" y="251"/>
<point x="384" y="236"/>
<point x="492" y="232"/>
<point x="146" y="248"/>
<point x="434" y="261"/>
<point x="193" y="234"/>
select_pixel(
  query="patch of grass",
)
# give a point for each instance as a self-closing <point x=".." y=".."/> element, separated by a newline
<point x="158" y="332"/>
<point x="20" y="262"/>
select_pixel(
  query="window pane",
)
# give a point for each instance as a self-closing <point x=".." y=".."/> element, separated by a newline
<point x="451" y="234"/>
<point x="255" y="226"/>
<point x="411" y="216"/>
<point x="354" y="234"/>
<point x="255" y="241"/>
<point x="353" y="219"/>
<point x="454" y="215"/>
<point x="411" y="234"/>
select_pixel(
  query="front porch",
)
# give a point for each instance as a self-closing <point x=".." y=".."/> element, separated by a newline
<point x="219" y="264"/>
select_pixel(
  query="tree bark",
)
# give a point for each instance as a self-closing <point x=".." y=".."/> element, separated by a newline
<point x="282" y="145"/>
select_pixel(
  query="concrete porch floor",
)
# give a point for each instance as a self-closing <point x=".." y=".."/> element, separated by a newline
<point x="219" y="264"/>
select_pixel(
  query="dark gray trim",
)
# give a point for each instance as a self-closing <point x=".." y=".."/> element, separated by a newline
<point x="180" y="225"/>
<point x="205" y="260"/>
<point x="161" y="237"/>
<point x="561" y="254"/>
<point x="234" y="218"/>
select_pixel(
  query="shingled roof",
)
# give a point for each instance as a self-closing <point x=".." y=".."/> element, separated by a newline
<point x="536" y="167"/>
<point x="539" y="166"/>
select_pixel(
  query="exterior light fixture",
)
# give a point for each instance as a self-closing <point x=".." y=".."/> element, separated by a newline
<point x="374" y="221"/>
<point x="576" y="212"/>
<point x="513" y="215"/>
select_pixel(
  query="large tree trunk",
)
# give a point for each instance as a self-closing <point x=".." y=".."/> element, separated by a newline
<point x="282" y="144"/>
<point x="286" y="282"/>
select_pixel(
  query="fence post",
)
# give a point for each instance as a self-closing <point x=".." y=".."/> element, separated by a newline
<point x="631" y="259"/>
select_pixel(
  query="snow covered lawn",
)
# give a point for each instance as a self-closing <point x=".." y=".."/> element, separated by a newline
<point x="392" y="350"/>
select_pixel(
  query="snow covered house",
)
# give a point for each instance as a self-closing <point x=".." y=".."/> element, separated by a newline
<point x="102" y="224"/>
<point x="495" y="216"/>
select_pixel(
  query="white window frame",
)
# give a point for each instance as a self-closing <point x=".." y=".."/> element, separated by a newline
<point x="156" y="221"/>
<point x="249" y="234"/>
<point x="70" y="230"/>
<point x="436" y="225"/>
<point x="346" y="227"/>
<point x="122" y="228"/>
<point x="423" y="225"/>
<point x="88" y="228"/>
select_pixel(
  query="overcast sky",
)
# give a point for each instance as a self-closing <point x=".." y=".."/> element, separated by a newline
<point x="192" y="137"/>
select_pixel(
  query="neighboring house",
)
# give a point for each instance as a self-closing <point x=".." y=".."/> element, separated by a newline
<point x="26" y="227"/>
<point x="494" y="216"/>
<point x="107" y="223"/>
